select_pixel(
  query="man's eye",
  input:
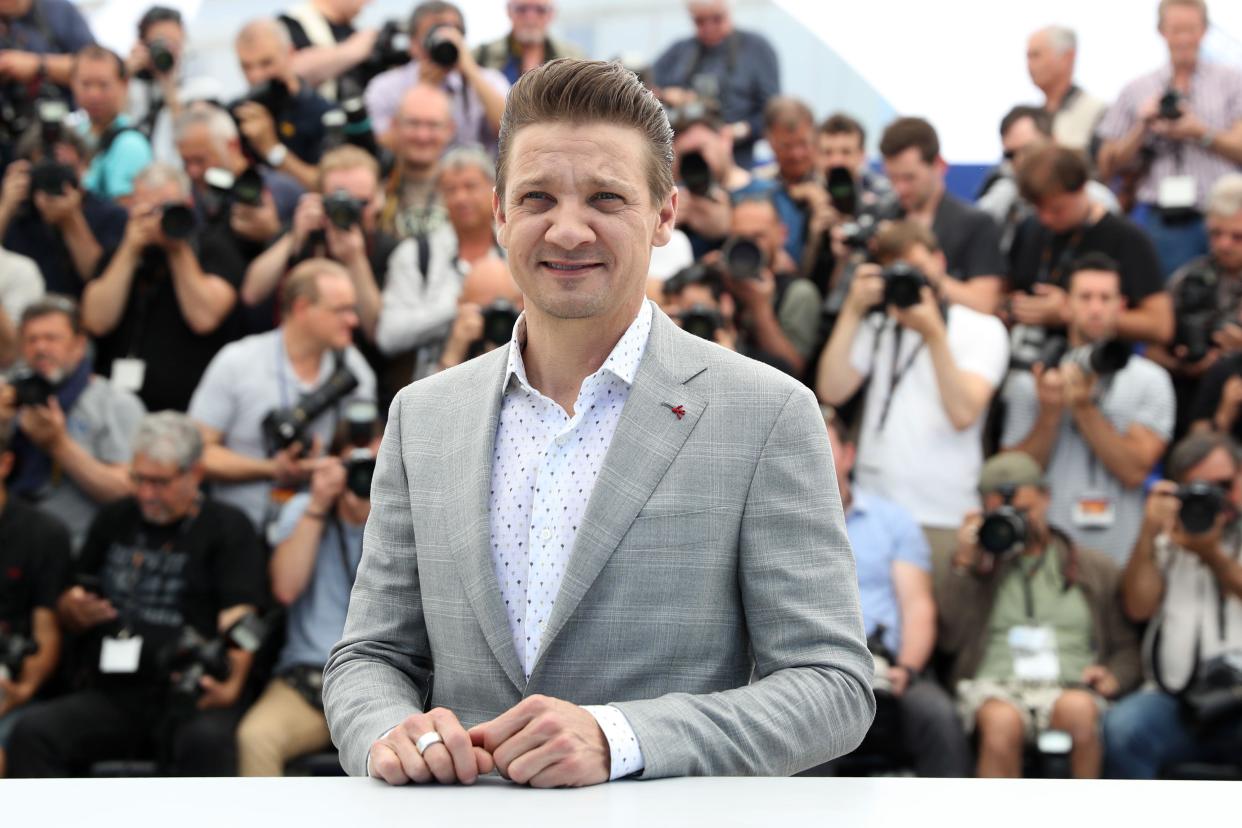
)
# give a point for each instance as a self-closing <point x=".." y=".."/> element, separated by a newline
<point x="606" y="197"/>
<point x="535" y="194"/>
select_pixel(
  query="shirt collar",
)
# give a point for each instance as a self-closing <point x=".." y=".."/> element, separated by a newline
<point x="622" y="362"/>
<point x="859" y="503"/>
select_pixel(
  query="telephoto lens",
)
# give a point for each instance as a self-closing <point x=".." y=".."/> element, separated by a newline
<point x="1003" y="530"/>
<point x="696" y="174"/>
<point x="743" y="257"/>
<point x="702" y="321"/>
<point x="1202" y="503"/>
<point x="177" y="220"/>
<point x="162" y="57"/>
<point x="441" y="50"/>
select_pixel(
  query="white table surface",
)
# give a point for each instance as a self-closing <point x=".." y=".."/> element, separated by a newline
<point x="892" y="803"/>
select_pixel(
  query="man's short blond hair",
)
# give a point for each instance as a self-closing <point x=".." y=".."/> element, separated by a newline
<point x="347" y="157"/>
<point x="1198" y="5"/>
<point x="303" y="282"/>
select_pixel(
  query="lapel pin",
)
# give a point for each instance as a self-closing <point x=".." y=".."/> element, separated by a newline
<point x="679" y="410"/>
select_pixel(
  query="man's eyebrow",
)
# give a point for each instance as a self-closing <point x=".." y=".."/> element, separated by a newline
<point x="594" y="182"/>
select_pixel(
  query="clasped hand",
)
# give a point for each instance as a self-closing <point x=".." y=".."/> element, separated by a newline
<point x="542" y="742"/>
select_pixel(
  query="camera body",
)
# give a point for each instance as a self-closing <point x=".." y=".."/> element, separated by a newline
<point x="842" y="191"/>
<point x="192" y="656"/>
<point x="360" y="471"/>
<point x="499" y="319"/>
<point x="696" y="174"/>
<point x="283" y="427"/>
<point x="1096" y="358"/>
<point x="31" y="387"/>
<point x="743" y="258"/>
<point x="442" y="51"/>
<point x="14" y="650"/>
<point x="1197" y="314"/>
<point x="1170" y="106"/>
<point x="1004" y="530"/>
<point x="342" y="209"/>
<point x="177" y="220"/>
<point x="162" y="58"/>
<point x="229" y="189"/>
<point x="392" y="49"/>
<point x="857" y="234"/>
<point x="903" y="285"/>
<point x="1202" y="504"/>
<point x="701" y="320"/>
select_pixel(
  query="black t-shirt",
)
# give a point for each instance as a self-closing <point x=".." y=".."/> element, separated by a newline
<point x="1213" y="385"/>
<point x="162" y="579"/>
<point x="969" y="238"/>
<point x="340" y="31"/>
<point x="30" y="236"/>
<point x="34" y="562"/>
<point x="300" y="126"/>
<point x="153" y="329"/>
<point x="1039" y="255"/>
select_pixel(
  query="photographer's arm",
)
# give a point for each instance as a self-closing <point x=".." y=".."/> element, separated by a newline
<point x="293" y="561"/>
<point x="963" y="395"/>
<point x="263" y="275"/>
<point x="769" y="336"/>
<point x="306" y="174"/>
<point x="204" y="298"/>
<point x="227" y="466"/>
<point x="492" y="99"/>
<point x="1152" y="321"/>
<point x="837" y="380"/>
<point x="37" y="668"/>
<point x="84" y="248"/>
<point x="1227" y="571"/>
<point x="1129" y="457"/>
<point x="104" y="299"/>
<point x="982" y="293"/>
<point x="1116" y="155"/>
<point x="918" y="614"/>
<point x="316" y="64"/>
<point x="1142" y="584"/>
<point x="8" y="340"/>
<point x="102" y="482"/>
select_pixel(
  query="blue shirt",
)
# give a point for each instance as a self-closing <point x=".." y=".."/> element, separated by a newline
<point x="882" y="534"/>
<point x="60" y="19"/>
<point x="112" y="172"/>
<point x="317" y="618"/>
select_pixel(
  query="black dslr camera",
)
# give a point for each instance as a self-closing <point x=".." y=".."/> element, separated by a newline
<point x="342" y="209"/>
<point x="903" y="285"/>
<point x="743" y="258"/>
<point x="162" y="58"/>
<point x="499" y="318"/>
<point x="701" y="320"/>
<point x="1004" y="529"/>
<point x="1170" y="106"/>
<point x="192" y="656"/>
<point x="14" y="650"/>
<point x="360" y="417"/>
<point x="442" y="51"/>
<point x="245" y="188"/>
<point x="857" y="234"/>
<point x="842" y="191"/>
<point x="696" y="174"/>
<point x="392" y="49"/>
<point x="47" y="175"/>
<point x="177" y="220"/>
<point x="1098" y="358"/>
<point x="273" y="95"/>
<point x="1198" y="316"/>
<point x="1202" y="503"/>
<point x="285" y="426"/>
<point x="31" y="387"/>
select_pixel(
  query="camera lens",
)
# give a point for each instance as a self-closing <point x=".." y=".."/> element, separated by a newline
<point x="702" y="321"/>
<point x="696" y="174"/>
<point x="744" y="258"/>
<point x="440" y="49"/>
<point x="499" y="319"/>
<point x="1002" y="531"/>
<point x="248" y="188"/>
<point x="1109" y="357"/>
<point x="177" y="221"/>
<point x="1201" y="505"/>
<point x="903" y="285"/>
<point x="342" y="209"/>
<point x="161" y="56"/>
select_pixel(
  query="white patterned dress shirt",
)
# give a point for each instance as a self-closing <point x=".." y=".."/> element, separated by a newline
<point x="543" y="471"/>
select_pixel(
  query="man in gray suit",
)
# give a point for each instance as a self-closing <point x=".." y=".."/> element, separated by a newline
<point x="610" y="548"/>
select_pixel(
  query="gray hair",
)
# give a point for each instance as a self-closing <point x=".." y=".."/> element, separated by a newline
<point x="220" y="126"/>
<point x="169" y="437"/>
<point x="159" y="173"/>
<point x="1225" y="199"/>
<point x="468" y="156"/>
<point x="261" y="26"/>
<point x="1062" y="39"/>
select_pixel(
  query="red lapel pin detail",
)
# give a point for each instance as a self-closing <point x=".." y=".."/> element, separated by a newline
<point x="679" y="410"/>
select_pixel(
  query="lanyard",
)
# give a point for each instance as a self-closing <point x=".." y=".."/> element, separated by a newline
<point x="1053" y="275"/>
<point x="1028" y="594"/>
<point x="351" y="572"/>
<point x="898" y="373"/>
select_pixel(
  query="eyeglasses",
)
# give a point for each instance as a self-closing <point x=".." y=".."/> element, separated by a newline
<point x="707" y="19"/>
<point x="530" y="8"/>
<point x="154" y="481"/>
<point x="419" y="123"/>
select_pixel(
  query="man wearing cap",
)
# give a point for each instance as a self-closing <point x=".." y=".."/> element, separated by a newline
<point x="1033" y="625"/>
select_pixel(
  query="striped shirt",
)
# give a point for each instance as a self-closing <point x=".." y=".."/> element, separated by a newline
<point x="1215" y="96"/>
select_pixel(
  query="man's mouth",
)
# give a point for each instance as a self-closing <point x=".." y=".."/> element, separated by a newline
<point x="570" y="268"/>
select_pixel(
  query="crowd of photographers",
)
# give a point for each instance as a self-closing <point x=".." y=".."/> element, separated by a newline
<point x="206" y="305"/>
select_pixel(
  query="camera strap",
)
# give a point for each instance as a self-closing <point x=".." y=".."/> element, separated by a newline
<point x="1050" y="274"/>
<point x="342" y="545"/>
<point x="898" y="372"/>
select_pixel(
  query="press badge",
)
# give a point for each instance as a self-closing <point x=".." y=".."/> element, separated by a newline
<point x="120" y="655"/>
<point x="1095" y="510"/>
<point x="129" y="374"/>
<point x="1178" y="192"/>
<point x="1034" y="652"/>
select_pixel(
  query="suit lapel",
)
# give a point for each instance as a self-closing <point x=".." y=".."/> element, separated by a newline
<point x="649" y="436"/>
<point x="468" y="467"/>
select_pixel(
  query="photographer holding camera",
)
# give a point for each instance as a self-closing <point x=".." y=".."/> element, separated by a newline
<point x="695" y="298"/>
<point x="1173" y="132"/>
<point x="1185" y="579"/>
<point x="422" y="130"/>
<point x="47" y="216"/>
<point x="1034" y="625"/>
<point x="38" y="39"/>
<point x="1097" y="418"/>
<point x="439" y="58"/>
<point x="895" y="588"/>
<point x="34" y="554"/>
<point x="162" y="307"/>
<point x="119" y="150"/>
<point x="968" y="236"/>
<point x="269" y="403"/>
<point x="281" y="117"/>
<point x="157" y="66"/>
<point x="74" y="428"/>
<point x="487" y="311"/>
<point x="800" y="197"/>
<point x="528" y="43"/>
<point x="932" y="369"/>
<point x="326" y="46"/>
<point x="318" y="546"/>
<point x="420" y="300"/>
<point x="1050" y="56"/>
<point x="156" y="566"/>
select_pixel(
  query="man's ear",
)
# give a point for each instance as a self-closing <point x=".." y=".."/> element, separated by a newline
<point x="666" y="221"/>
<point x="498" y="217"/>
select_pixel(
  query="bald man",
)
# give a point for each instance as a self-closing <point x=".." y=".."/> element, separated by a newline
<point x="421" y="131"/>
<point x="289" y="139"/>
<point x="1050" y="56"/>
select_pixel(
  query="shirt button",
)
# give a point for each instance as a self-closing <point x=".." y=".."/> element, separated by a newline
<point x="546" y="534"/>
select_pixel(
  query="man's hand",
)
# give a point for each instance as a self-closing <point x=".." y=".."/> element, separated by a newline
<point x="346" y="246"/>
<point x="307" y="218"/>
<point x="57" y="210"/>
<point x="256" y="223"/>
<point x="1048" y="306"/>
<point x="44" y="425"/>
<point x="708" y="215"/>
<point x="966" y="556"/>
<point x="1189" y="127"/>
<point x="1229" y="337"/>
<point x="84" y="610"/>
<point x="1160" y="511"/>
<point x="675" y="96"/>
<point x="327" y="484"/>
<point x="138" y="59"/>
<point x="925" y="318"/>
<point x="546" y="743"/>
<point x="1229" y="405"/>
<point x="258" y="127"/>
<point x="13" y="695"/>
<point x="16" y="186"/>
<point x="395" y="759"/>
<point x="898" y="680"/>
<point x="1100" y="679"/>
<point x="18" y="66"/>
<point x="292" y="465"/>
<point x="1049" y="387"/>
<point x="8" y="404"/>
<point x="218" y="695"/>
<point x="866" y="291"/>
<point x="1078" y="386"/>
<point x="752" y="293"/>
<point x="143" y="230"/>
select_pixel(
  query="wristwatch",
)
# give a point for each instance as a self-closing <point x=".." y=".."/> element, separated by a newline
<point x="277" y="155"/>
<point x="1207" y="138"/>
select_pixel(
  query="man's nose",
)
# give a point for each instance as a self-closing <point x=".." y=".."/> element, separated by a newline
<point x="569" y="228"/>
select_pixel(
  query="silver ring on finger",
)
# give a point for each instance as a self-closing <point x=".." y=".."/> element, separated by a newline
<point x="428" y="739"/>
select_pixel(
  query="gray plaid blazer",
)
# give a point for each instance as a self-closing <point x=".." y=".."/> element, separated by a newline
<point x="711" y="595"/>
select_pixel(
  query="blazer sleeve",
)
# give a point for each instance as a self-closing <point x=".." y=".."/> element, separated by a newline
<point x="810" y="700"/>
<point x="379" y="672"/>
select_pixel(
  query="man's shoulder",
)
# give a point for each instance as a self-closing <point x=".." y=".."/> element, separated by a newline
<point x="434" y="391"/>
<point x="103" y="396"/>
<point x="47" y="533"/>
<point x="729" y="374"/>
<point x="958" y="212"/>
<point x="225" y="517"/>
<point x="243" y="351"/>
<point x="752" y="39"/>
<point x="1142" y="372"/>
<point x="984" y="324"/>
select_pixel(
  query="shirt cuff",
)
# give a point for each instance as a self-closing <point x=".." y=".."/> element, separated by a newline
<point x="627" y="756"/>
<point x="385" y="733"/>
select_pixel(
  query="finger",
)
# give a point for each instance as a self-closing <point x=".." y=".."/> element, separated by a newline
<point x="501" y="728"/>
<point x="440" y="761"/>
<point x="552" y="765"/>
<point x="537" y="733"/>
<point x="386" y="765"/>
<point x="412" y="763"/>
<point x="457" y="742"/>
<point x="483" y="761"/>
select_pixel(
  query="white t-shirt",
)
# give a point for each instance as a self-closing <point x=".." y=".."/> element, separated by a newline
<point x="918" y="459"/>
